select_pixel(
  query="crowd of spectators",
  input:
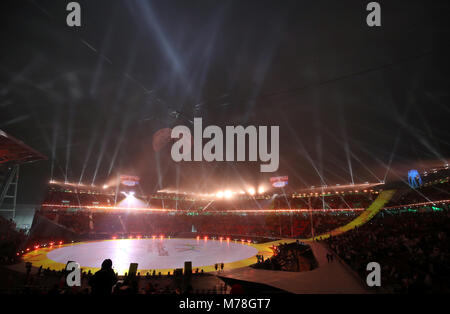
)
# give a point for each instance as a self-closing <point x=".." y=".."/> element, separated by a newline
<point x="76" y="196"/>
<point x="78" y="221"/>
<point x="50" y="282"/>
<point x="215" y="220"/>
<point x="105" y="222"/>
<point x="325" y="222"/>
<point x="221" y="224"/>
<point x="412" y="248"/>
<point x="294" y="256"/>
<point x="10" y="241"/>
<point x="433" y="191"/>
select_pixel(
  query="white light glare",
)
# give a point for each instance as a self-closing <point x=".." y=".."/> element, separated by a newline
<point x="227" y="194"/>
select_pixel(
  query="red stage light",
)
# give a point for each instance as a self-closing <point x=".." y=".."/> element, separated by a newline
<point x="60" y="242"/>
<point x="114" y="237"/>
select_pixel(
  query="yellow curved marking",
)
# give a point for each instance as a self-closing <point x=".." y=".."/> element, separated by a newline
<point x="39" y="258"/>
<point x="365" y="216"/>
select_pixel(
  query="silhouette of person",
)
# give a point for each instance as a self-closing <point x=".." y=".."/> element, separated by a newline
<point x="104" y="279"/>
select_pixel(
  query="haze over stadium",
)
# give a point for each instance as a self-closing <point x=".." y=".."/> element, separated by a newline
<point x="86" y="114"/>
<point x="100" y="92"/>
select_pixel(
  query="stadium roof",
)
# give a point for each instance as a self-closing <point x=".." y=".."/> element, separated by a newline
<point x="15" y="151"/>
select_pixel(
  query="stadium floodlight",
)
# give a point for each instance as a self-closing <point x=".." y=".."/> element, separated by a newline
<point x="227" y="194"/>
<point x="251" y="191"/>
<point x="219" y="194"/>
<point x="131" y="201"/>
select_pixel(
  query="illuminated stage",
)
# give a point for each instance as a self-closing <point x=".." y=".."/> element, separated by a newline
<point x="161" y="255"/>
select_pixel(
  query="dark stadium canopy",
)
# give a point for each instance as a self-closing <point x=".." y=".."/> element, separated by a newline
<point x="15" y="151"/>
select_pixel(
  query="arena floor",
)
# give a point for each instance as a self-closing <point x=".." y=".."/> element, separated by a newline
<point x="161" y="255"/>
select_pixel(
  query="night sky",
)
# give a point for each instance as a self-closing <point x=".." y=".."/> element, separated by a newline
<point x="351" y="101"/>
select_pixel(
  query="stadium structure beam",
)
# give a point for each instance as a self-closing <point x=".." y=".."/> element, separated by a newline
<point x="9" y="191"/>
